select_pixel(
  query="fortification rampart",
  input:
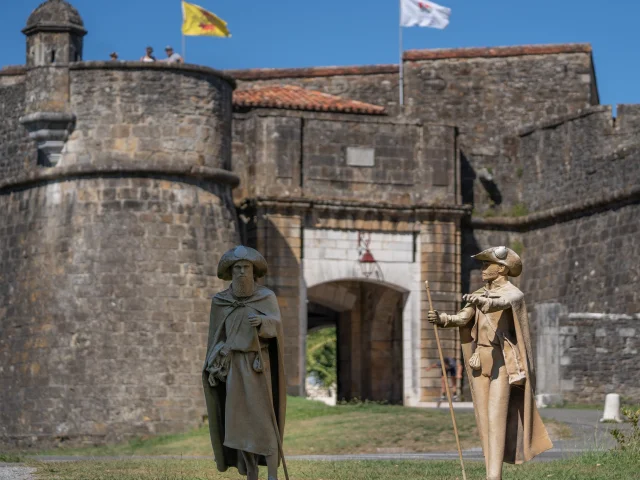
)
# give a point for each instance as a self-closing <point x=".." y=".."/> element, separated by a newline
<point x="577" y="158"/>
<point x="149" y="112"/>
<point x="110" y="254"/>
<point x="484" y="92"/>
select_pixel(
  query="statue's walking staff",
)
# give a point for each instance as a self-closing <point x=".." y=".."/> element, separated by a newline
<point x="273" y="413"/>
<point x="446" y="384"/>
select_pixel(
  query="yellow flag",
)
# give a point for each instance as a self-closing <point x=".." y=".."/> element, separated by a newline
<point x="198" y="21"/>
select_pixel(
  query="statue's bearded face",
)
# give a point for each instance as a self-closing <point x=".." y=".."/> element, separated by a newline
<point x="242" y="282"/>
<point x="491" y="271"/>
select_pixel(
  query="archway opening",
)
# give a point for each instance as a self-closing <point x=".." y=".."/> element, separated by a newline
<point x="367" y="317"/>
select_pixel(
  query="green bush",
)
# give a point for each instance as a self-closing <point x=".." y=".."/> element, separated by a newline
<point x="322" y="356"/>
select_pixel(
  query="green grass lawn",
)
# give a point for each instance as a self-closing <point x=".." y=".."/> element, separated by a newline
<point x="316" y="428"/>
<point x="592" y="466"/>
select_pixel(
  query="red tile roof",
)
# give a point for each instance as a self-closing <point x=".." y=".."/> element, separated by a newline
<point x="297" y="98"/>
<point x="514" y="51"/>
<point x="486" y="52"/>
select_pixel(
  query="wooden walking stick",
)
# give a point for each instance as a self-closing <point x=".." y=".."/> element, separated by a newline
<point x="446" y="384"/>
<point x="273" y="410"/>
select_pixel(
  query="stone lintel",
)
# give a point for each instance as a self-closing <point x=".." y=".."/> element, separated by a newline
<point x="302" y="205"/>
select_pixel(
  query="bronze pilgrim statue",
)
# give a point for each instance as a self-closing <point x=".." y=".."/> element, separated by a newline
<point x="243" y="375"/>
<point x="496" y="344"/>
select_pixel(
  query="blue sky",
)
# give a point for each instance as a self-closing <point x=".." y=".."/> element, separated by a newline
<point x="298" y="33"/>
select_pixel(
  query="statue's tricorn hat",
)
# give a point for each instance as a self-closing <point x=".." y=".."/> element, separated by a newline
<point x="242" y="253"/>
<point x="504" y="256"/>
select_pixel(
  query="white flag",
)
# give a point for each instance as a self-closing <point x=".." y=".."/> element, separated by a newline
<point x="424" y="14"/>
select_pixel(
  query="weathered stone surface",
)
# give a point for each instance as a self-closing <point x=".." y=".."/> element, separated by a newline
<point x="175" y="115"/>
<point x="17" y="152"/>
<point x="105" y="287"/>
<point x="285" y="154"/>
<point x="598" y="355"/>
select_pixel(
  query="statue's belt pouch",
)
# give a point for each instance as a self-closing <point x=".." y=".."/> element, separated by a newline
<point x="486" y="359"/>
<point x="512" y="360"/>
<point x="258" y="367"/>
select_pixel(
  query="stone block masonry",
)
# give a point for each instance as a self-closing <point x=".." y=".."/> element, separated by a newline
<point x="596" y="354"/>
<point x="105" y="287"/>
<point x="16" y="150"/>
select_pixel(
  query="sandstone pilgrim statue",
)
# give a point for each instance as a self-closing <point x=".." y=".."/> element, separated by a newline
<point x="243" y="375"/>
<point x="496" y="344"/>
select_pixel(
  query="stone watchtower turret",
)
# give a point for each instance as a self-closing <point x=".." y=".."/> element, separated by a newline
<point x="115" y="206"/>
<point x="55" y="34"/>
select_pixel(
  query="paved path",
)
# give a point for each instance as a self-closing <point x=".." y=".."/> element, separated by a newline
<point x="588" y="434"/>
<point x="13" y="471"/>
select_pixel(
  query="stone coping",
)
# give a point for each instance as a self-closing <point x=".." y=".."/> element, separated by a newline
<point x="163" y="66"/>
<point x="497" y="52"/>
<point x="350" y="205"/>
<point x="558" y="214"/>
<point x="410" y="55"/>
<point x="275" y="73"/>
<point x="12" y="70"/>
<point x="56" y="173"/>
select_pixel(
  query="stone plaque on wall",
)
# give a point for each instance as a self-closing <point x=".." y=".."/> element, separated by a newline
<point x="360" y="157"/>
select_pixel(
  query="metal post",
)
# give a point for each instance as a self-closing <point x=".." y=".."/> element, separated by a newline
<point x="401" y="63"/>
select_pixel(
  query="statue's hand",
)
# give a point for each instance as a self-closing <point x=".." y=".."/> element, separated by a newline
<point x="434" y="317"/>
<point x="475" y="299"/>
<point x="254" y="320"/>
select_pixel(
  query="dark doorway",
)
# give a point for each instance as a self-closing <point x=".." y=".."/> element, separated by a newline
<point x="368" y="321"/>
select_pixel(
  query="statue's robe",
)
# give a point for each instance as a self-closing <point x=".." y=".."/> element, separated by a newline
<point x="239" y="409"/>
<point x="526" y="434"/>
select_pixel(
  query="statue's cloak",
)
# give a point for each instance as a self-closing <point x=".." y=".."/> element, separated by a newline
<point x="225" y="307"/>
<point x="526" y="434"/>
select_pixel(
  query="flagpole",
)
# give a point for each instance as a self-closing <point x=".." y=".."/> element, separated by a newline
<point x="401" y="63"/>
<point x="184" y="41"/>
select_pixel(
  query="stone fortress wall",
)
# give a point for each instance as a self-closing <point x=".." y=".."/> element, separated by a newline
<point x="117" y="203"/>
<point x="116" y="206"/>
<point x="548" y="172"/>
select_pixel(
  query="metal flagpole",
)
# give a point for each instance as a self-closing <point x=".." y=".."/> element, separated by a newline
<point x="401" y="63"/>
<point x="184" y="41"/>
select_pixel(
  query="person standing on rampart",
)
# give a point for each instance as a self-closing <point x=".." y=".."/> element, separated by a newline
<point x="148" y="56"/>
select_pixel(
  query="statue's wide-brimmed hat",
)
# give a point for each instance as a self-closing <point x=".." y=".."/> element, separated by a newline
<point x="504" y="256"/>
<point x="242" y="253"/>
